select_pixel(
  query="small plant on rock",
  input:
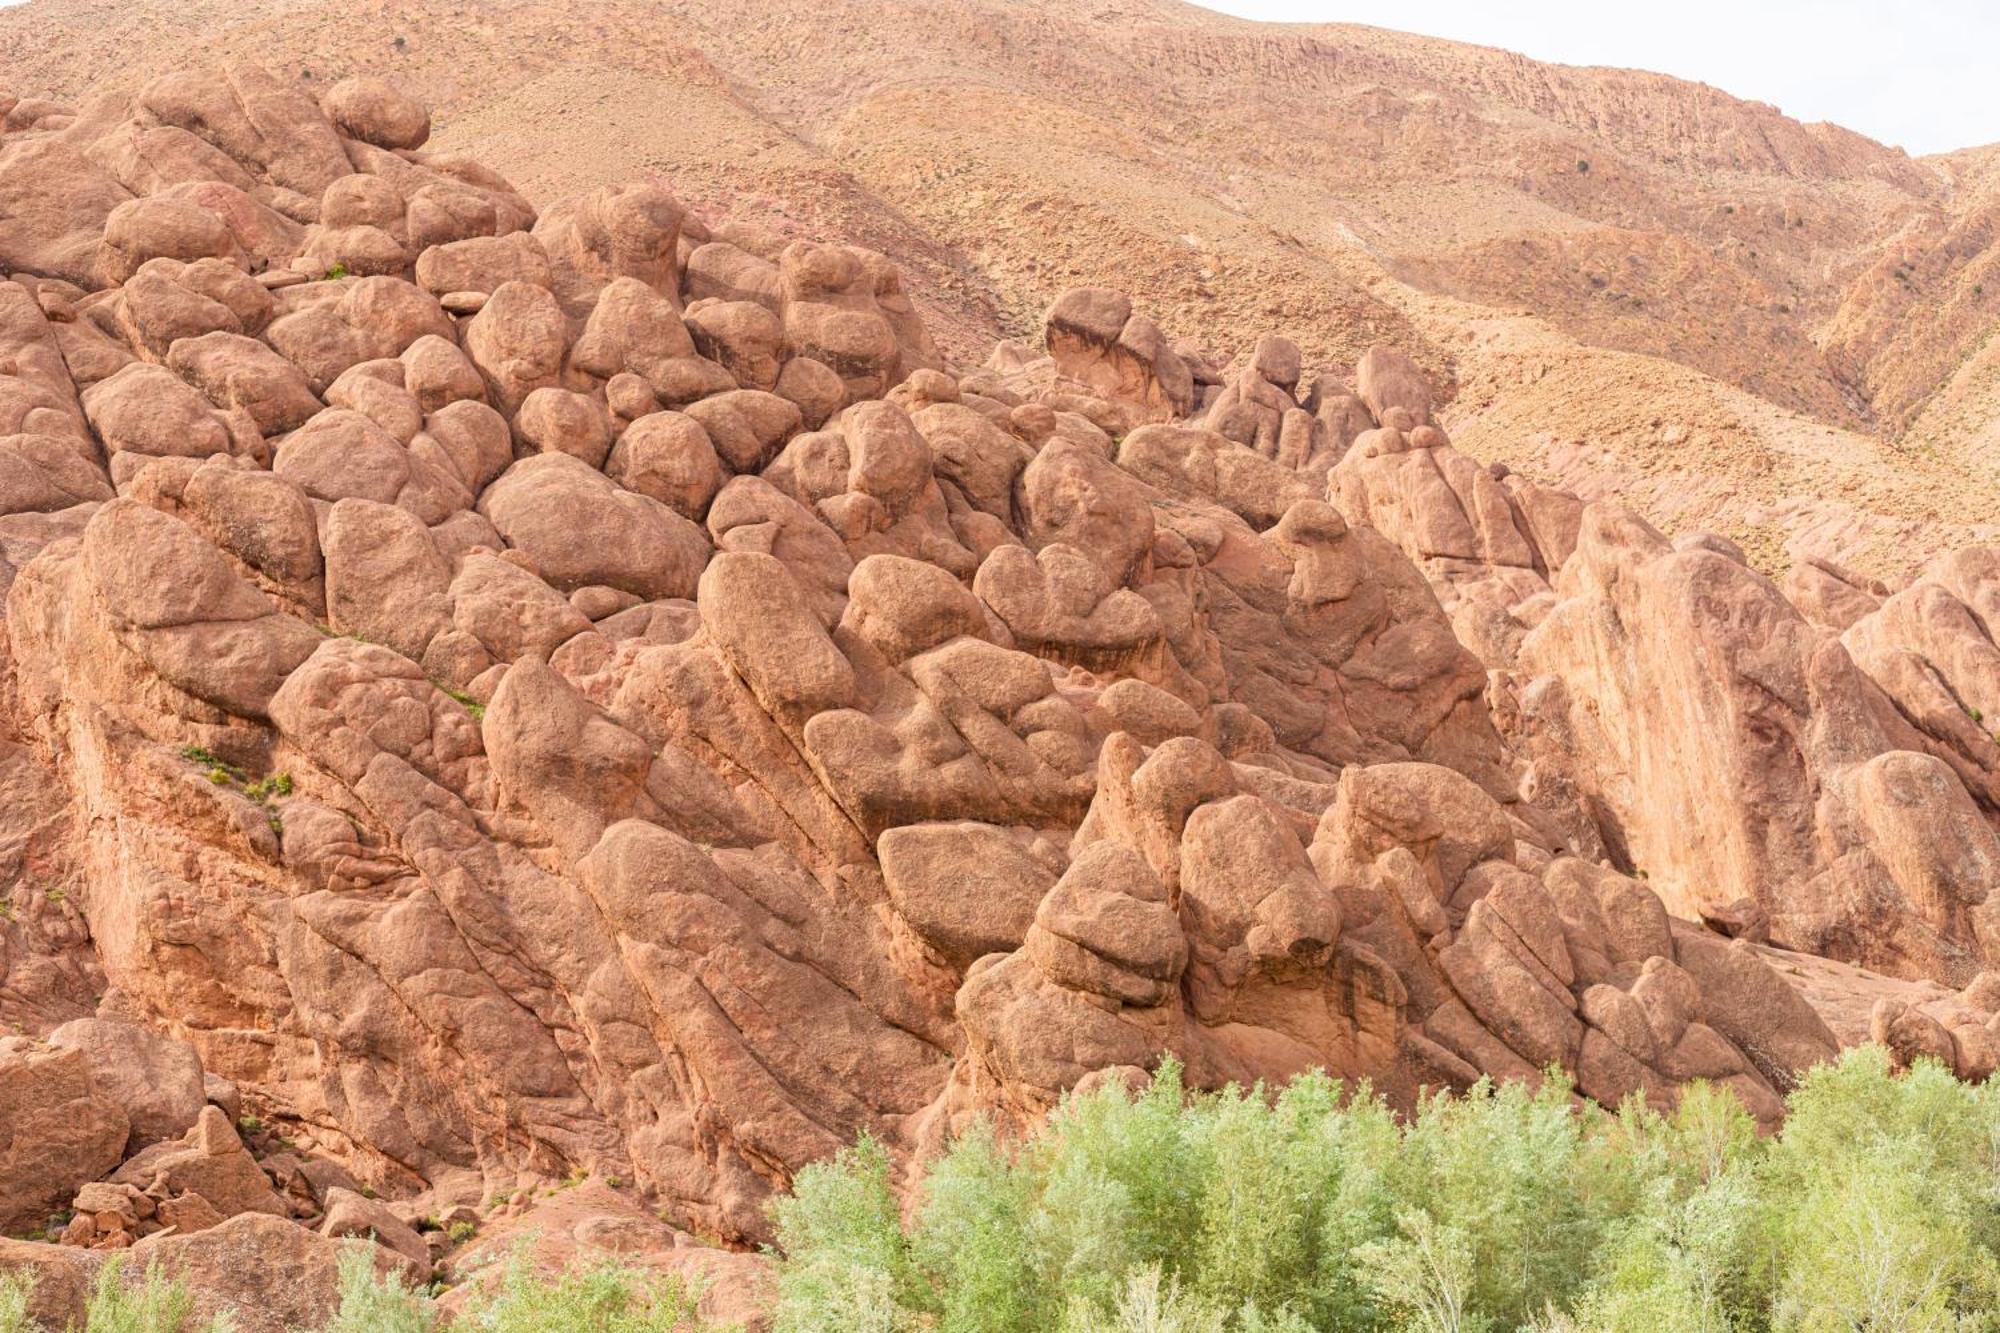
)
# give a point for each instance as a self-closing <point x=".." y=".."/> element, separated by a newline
<point x="154" y="1305"/>
<point x="373" y="1303"/>
<point x="463" y="700"/>
<point x="15" y="1290"/>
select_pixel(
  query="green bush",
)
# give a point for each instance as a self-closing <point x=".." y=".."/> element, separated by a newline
<point x="154" y="1305"/>
<point x="1316" y="1210"/>
<point x="1876" y="1208"/>
<point x="599" y="1299"/>
<point x="15" y="1289"/>
<point x="374" y="1304"/>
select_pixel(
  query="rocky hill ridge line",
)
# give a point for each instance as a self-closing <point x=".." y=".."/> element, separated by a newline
<point x="1771" y="330"/>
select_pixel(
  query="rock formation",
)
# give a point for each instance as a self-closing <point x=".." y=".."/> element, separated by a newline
<point x="509" y="696"/>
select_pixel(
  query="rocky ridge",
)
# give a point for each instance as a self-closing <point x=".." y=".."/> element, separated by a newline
<point x="1619" y="283"/>
<point x="503" y="695"/>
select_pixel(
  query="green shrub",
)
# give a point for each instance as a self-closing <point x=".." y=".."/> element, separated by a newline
<point x="15" y="1290"/>
<point x="851" y="1264"/>
<point x="599" y="1299"/>
<point x="154" y="1305"/>
<point x="1876" y="1208"/>
<point x="1149" y="1304"/>
<point x="372" y="1303"/>
<point x="1880" y="1198"/>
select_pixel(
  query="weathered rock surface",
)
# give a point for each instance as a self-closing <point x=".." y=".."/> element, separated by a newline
<point x="640" y="715"/>
<point x="157" y="1080"/>
<point x="267" y="1275"/>
<point x="58" y="1130"/>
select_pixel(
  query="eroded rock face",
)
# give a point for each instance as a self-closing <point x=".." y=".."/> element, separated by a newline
<point x="576" y="694"/>
<point x="1114" y="354"/>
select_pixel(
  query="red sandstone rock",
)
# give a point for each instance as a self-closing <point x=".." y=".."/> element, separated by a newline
<point x="644" y="715"/>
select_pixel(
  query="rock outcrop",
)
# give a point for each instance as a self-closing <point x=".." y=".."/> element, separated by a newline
<point x="521" y="696"/>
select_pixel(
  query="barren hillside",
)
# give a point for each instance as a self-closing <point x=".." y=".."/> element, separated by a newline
<point x="1624" y="282"/>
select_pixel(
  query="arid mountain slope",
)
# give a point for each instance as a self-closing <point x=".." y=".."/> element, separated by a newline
<point x="1738" y="321"/>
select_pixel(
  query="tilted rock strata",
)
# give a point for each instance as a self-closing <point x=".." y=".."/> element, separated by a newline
<point x="1816" y="750"/>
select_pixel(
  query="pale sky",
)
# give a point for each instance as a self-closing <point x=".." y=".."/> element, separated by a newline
<point x="1923" y="74"/>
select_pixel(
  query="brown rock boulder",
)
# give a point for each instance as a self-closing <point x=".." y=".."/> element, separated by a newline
<point x="373" y="111"/>
<point x="58" y="1130"/>
<point x="1386" y="380"/>
<point x="1100" y="344"/>
<point x="965" y="889"/>
<point x="208" y="1162"/>
<point x="156" y="1079"/>
<point x="577" y="528"/>
<point x="352" y="1214"/>
<point x="619" y="231"/>
<point x="668" y="456"/>
<point x="264" y="1274"/>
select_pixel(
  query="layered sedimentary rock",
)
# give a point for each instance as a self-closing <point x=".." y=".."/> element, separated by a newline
<point x="523" y="695"/>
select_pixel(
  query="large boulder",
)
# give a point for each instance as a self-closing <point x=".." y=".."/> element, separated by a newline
<point x="577" y="528"/>
<point x="264" y="1274"/>
<point x="155" y="1078"/>
<point x="58" y="1130"/>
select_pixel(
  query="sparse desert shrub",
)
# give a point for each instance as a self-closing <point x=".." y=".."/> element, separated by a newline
<point x="464" y="700"/>
<point x="373" y="1303"/>
<point x="156" y="1304"/>
<point x="600" y="1299"/>
<point x="15" y="1289"/>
